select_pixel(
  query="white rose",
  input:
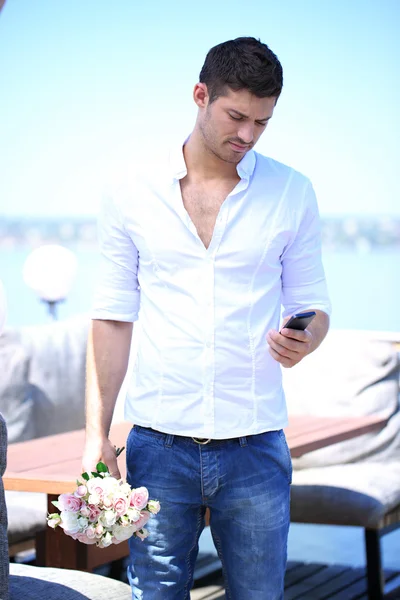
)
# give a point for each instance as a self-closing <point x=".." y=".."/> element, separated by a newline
<point x="133" y="514"/>
<point x="109" y="485"/>
<point x="94" y="499"/>
<point x="70" y="521"/>
<point x="143" y="534"/>
<point x="153" y="506"/>
<point x="108" y="518"/>
<point x="122" y="533"/>
<point x="107" y="501"/>
<point x="106" y="540"/>
<point x="125" y="489"/>
<point x="83" y="522"/>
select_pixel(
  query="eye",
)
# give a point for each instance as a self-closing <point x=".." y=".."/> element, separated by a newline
<point x="262" y="124"/>
<point x="235" y="118"/>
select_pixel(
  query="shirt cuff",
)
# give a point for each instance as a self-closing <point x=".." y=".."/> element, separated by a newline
<point x="110" y="305"/>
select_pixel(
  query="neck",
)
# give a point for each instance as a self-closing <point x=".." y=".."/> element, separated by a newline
<point x="203" y="164"/>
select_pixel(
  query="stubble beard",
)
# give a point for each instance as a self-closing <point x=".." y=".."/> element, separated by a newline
<point x="211" y="144"/>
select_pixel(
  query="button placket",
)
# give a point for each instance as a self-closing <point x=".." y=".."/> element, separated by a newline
<point x="209" y="369"/>
<point x="209" y="340"/>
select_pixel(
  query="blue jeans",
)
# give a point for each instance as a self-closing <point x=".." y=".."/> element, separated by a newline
<point x="246" y="484"/>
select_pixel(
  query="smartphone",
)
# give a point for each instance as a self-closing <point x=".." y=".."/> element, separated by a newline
<point x="300" y="321"/>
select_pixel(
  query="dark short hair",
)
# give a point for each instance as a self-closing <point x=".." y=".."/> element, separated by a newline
<point x="243" y="63"/>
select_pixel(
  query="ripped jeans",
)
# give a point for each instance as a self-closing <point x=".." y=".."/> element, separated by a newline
<point x="245" y="482"/>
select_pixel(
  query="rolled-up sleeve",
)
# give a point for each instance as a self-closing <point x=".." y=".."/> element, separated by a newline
<point x="117" y="294"/>
<point x="303" y="278"/>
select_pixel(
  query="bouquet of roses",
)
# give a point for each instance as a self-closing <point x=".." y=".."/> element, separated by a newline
<point x="103" y="510"/>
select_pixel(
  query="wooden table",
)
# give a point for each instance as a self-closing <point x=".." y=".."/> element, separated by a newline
<point x="51" y="465"/>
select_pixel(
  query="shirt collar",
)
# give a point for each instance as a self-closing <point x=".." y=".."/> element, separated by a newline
<point x="245" y="167"/>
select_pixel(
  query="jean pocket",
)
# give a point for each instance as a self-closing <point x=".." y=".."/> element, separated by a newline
<point x="289" y="465"/>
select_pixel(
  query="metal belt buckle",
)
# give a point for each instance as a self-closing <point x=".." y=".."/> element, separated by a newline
<point x="201" y="441"/>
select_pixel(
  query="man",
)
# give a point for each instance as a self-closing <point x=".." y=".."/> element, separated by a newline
<point x="208" y="244"/>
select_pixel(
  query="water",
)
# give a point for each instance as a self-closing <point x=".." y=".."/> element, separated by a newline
<point x="364" y="288"/>
<point x="365" y="292"/>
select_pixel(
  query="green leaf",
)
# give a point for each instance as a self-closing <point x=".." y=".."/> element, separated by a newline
<point x="95" y="474"/>
<point x="56" y="504"/>
<point x="101" y="468"/>
<point x="85" y="476"/>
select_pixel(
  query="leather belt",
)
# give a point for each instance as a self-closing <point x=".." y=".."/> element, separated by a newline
<point x="197" y="440"/>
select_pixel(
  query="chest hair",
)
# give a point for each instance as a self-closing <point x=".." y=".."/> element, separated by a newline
<point x="202" y="203"/>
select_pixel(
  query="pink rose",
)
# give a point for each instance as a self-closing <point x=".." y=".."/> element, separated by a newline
<point x="80" y="491"/>
<point x="98" y="490"/>
<point x="144" y="517"/>
<point x="95" y="511"/>
<point x="90" y="532"/>
<point x="54" y="520"/>
<point x="69" y="503"/>
<point x="120" y="505"/>
<point x="96" y="486"/>
<point x="139" y="498"/>
<point x="84" y="510"/>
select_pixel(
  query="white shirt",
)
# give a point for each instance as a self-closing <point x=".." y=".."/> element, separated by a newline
<point x="203" y="367"/>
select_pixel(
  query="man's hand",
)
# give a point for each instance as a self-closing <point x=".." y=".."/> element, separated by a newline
<point x="104" y="451"/>
<point x="289" y="346"/>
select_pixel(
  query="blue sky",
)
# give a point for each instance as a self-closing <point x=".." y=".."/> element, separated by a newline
<point x="87" y="85"/>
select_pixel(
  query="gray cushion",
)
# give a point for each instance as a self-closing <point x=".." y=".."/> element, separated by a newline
<point x="37" y="583"/>
<point x="355" y="494"/>
<point x="16" y="402"/>
<point x="27" y="513"/>
<point x="57" y="353"/>
<point x="353" y="373"/>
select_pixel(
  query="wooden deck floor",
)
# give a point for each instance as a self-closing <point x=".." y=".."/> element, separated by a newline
<point x="307" y="582"/>
<point x="303" y="581"/>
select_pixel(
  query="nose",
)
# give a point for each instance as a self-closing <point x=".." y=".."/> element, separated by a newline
<point x="246" y="132"/>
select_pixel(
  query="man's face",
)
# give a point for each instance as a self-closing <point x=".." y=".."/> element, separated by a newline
<point x="233" y="123"/>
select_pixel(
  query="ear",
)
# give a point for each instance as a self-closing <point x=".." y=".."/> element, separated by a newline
<point x="200" y="95"/>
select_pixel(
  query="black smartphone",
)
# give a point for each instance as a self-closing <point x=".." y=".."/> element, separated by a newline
<point x="300" y="321"/>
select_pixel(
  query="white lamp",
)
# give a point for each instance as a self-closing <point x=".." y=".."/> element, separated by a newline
<point x="50" y="271"/>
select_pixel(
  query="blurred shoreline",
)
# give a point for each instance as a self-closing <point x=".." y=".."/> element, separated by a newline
<point x="357" y="232"/>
